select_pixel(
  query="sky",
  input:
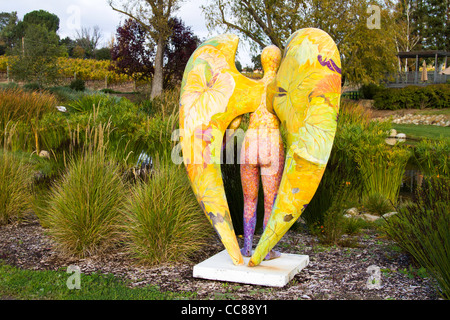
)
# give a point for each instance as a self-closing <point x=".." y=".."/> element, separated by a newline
<point x="74" y="14"/>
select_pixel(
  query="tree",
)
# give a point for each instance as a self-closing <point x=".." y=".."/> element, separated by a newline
<point x="179" y="48"/>
<point x="103" y="54"/>
<point x="8" y="23"/>
<point x="88" y="40"/>
<point x="16" y="29"/>
<point x="406" y="37"/>
<point x="366" y="54"/>
<point x="42" y="17"/>
<point x="69" y="44"/>
<point x="154" y="16"/>
<point x="432" y="23"/>
<point x="35" y="58"/>
<point x="256" y="60"/>
<point x="130" y="53"/>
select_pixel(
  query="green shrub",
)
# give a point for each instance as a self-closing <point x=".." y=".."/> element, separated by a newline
<point x="77" y="85"/>
<point x="82" y="211"/>
<point x="433" y="157"/>
<point x="413" y="97"/>
<point x="33" y="86"/>
<point x="368" y="91"/>
<point x="422" y="229"/>
<point x="162" y="219"/>
<point x="15" y="187"/>
<point x="377" y="204"/>
<point x="89" y="103"/>
<point x="66" y="94"/>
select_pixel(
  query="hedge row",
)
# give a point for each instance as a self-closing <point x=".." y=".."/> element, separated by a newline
<point x="413" y="97"/>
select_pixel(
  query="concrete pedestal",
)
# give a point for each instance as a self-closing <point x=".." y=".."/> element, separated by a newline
<point x="275" y="273"/>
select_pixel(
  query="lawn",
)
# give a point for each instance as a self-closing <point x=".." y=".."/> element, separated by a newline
<point x="22" y="284"/>
<point x="422" y="131"/>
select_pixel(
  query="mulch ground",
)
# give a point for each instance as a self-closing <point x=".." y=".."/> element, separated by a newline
<point x="333" y="273"/>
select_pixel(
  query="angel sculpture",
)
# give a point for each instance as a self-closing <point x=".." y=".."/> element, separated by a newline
<point x="304" y="96"/>
<point x="262" y="153"/>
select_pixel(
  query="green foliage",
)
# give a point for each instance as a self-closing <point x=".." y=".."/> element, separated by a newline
<point x="35" y="59"/>
<point x="433" y="157"/>
<point x="413" y="97"/>
<point x="77" y="85"/>
<point x="41" y="17"/>
<point x="89" y="103"/>
<point x="15" y="187"/>
<point x="82" y="211"/>
<point x="422" y="229"/>
<point x="66" y="94"/>
<point x="383" y="167"/>
<point x="368" y="91"/>
<point x="377" y="203"/>
<point x="162" y="219"/>
<point x="273" y="22"/>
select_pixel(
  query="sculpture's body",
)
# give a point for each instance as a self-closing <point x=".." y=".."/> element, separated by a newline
<point x="262" y="153"/>
<point x="304" y="95"/>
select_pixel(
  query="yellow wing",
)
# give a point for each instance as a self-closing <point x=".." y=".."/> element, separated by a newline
<point x="213" y="93"/>
<point x="305" y="96"/>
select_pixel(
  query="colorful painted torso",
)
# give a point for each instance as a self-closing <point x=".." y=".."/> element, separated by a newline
<point x="263" y="153"/>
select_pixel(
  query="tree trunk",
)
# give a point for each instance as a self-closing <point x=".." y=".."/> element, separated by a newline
<point x="157" y="83"/>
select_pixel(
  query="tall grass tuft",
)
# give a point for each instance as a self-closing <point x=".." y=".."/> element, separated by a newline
<point x="15" y="187"/>
<point x="83" y="209"/>
<point x="423" y="229"/>
<point x="383" y="168"/>
<point x="26" y="109"/>
<point x="433" y="157"/>
<point x="163" y="221"/>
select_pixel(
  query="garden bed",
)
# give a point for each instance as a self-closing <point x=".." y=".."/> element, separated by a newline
<point x="334" y="272"/>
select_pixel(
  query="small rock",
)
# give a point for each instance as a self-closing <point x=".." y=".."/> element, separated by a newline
<point x="389" y="214"/>
<point x="390" y="141"/>
<point x="369" y="217"/>
<point x="61" y="108"/>
<point x="44" y="154"/>
<point x="352" y="211"/>
<point x="392" y="133"/>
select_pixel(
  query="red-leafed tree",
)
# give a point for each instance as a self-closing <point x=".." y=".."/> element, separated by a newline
<point x="132" y="54"/>
<point x="180" y="46"/>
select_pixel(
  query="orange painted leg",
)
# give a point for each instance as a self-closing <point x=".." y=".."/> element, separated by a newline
<point x="250" y="185"/>
<point x="271" y="178"/>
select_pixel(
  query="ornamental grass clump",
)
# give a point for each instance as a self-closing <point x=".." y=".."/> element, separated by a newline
<point x="382" y="167"/>
<point x="23" y="109"/>
<point x="82" y="212"/>
<point x="163" y="221"/>
<point x="433" y="157"/>
<point x="15" y="187"/>
<point x="423" y="229"/>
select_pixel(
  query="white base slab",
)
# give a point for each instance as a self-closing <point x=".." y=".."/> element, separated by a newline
<point x="275" y="273"/>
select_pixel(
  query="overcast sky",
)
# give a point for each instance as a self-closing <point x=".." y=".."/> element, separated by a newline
<point x="74" y="14"/>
